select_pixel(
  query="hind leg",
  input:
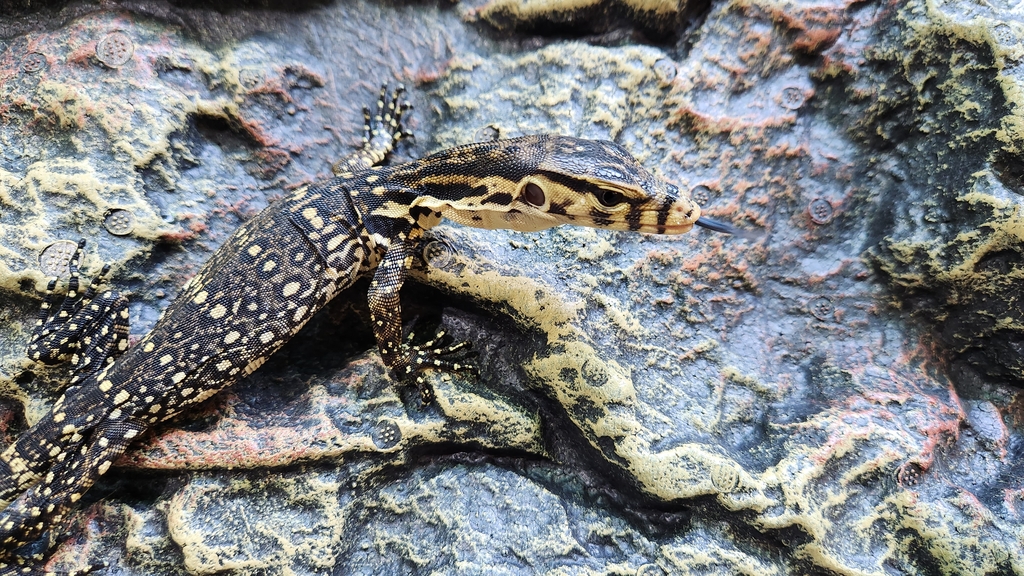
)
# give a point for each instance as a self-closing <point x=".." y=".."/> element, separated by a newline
<point x="90" y="329"/>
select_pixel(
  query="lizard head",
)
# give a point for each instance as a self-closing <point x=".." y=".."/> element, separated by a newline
<point x="599" y="184"/>
<point x="536" y="182"/>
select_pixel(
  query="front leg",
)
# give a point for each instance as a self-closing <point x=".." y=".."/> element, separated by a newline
<point x="402" y="359"/>
<point x="381" y="133"/>
<point x="386" y="306"/>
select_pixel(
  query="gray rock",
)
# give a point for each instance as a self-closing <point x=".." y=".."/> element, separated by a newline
<point x="836" y="394"/>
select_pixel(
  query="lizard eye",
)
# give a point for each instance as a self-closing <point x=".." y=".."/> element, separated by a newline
<point x="533" y="194"/>
<point x="610" y="198"/>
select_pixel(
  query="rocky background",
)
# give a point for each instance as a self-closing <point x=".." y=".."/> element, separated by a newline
<point x="839" y="394"/>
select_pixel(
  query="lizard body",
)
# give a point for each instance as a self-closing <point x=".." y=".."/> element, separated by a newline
<point x="278" y="269"/>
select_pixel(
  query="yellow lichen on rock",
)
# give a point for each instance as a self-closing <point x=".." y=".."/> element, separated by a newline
<point x="502" y="13"/>
<point x="596" y="392"/>
<point x="617" y="90"/>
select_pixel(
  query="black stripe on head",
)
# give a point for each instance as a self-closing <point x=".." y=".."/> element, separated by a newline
<point x="453" y="192"/>
<point x="581" y="185"/>
<point x="600" y="218"/>
<point x="499" y="198"/>
<point x="571" y="182"/>
<point x="663" y="213"/>
<point x="633" y="218"/>
<point x="558" y="208"/>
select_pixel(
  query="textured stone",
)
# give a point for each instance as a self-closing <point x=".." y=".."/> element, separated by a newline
<point x="837" y="394"/>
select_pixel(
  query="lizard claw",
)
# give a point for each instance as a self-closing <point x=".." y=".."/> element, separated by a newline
<point x="382" y="130"/>
<point x="388" y="120"/>
<point x="438" y="353"/>
<point x="89" y="328"/>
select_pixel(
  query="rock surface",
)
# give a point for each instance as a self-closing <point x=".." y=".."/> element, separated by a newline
<point x="839" y="394"/>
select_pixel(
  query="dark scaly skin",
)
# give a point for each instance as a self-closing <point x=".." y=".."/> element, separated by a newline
<point x="239" y="309"/>
<point x="277" y="270"/>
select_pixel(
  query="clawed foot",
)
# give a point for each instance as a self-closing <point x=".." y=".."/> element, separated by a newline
<point x="435" y="354"/>
<point x="90" y="329"/>
<point x="381" y="132"/>
<point x="387" y="122"/>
